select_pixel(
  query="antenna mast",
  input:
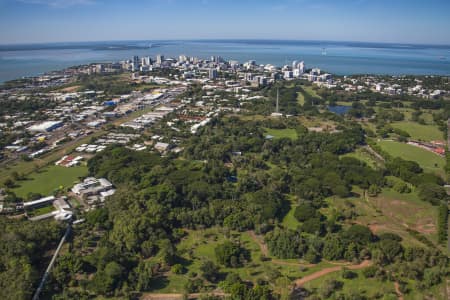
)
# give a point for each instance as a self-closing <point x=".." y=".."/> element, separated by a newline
<point x="278" y="95"/>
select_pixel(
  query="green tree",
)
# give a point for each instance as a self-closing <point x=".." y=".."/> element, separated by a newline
<point x="210" y="271"/>
<point x="230" y="254"/>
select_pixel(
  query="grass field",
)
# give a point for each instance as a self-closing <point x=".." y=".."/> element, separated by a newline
<point x="420" y="132"/>
<point x="289" y="220"/>
<point x="310" y="91"/>
<point x="405" y="211"/>
<point x="429" y="161"/>
<point x="27" y="167"/>
<point x="198" y="246"/>
<point x="41" y="211"/>
<point x="48" y="179"/>
<point x="371" y="288"/>
<point x="389" y="211"/>
<point x="282" y="133"/>
<point x="300" y="98"/>
<point x="363" y="156"/>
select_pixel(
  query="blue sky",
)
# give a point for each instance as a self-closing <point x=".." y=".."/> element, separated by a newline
<point x="397" y="21"/>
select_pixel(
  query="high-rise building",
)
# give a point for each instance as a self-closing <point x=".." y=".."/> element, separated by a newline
<point x="182" y="58"/>
<point x="136" y="60"/>
<point x="301" y="67"/>
<point x="146" y="61"/>
<point x="216" y="59"/>
<point x="315" y="71"/>
<point x="298" y="68"/>
<point x="212" y="73"/>
<point x="288" y="74"/>
<point x="159" y="59"/>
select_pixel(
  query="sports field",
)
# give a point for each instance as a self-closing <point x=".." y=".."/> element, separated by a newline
<point x="429" y="161"/>
<point x="282" y="133"/>
<point x="49" y="179"/>
<point x="420" y="132"/>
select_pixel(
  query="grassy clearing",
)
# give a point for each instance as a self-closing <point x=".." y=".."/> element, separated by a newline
<point x="41" y="211"/>
<point x="420" y="132"/>
<point x="371" y="288"/>
<point x="27" y="167"/>
<point x="282" y="133"/>
<point x="406" y="211"/>
<point x="310" y="91"/>
<point x="49" y="179"/>
<point x="363" y="156"/>
<point x="429" y="161"/>
<point x="343" y="103"/>
<point x="300" y="98"/>
<point x="289" y="220"/>
<point x="198" y="246"/>
<point x="390" y="211"/>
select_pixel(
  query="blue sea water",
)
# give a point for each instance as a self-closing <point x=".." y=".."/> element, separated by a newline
<point x="343" y="58"/>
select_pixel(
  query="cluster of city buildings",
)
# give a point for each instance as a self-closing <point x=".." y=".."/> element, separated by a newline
<point x="389" y="85"/>
<point x="93" y="191"/>
<point x="168" y="114"/>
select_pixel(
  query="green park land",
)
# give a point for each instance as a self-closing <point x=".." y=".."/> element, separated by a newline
<point x="429" y="161"/>
<point x="46" y="180"/>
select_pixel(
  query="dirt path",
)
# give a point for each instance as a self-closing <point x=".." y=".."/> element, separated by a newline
<point x="397" y="291"/>
<point x="323" y="272"/>
<point x="260" y="243"/>
<point x="374" y="153"/>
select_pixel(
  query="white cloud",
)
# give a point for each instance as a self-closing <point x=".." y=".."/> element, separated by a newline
<point x="58" y="3"/>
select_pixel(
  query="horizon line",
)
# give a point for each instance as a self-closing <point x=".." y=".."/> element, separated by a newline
<point x="227" y="39"/>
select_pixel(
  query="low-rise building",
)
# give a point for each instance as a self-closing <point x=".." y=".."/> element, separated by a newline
<point x="92" y="186"/>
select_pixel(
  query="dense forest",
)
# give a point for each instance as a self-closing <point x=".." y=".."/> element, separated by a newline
<point x="159" y="198"/>
<point x="232" y="175"/>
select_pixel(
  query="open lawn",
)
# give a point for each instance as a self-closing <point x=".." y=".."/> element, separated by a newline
<point x="300" y="98"/>
<point x="373" y="288"/>
<point x="363" y="156"/>
<point x="289" y="221"/>
<point x="370" y="288"/>
<point x="41" y="211"/>
<point x="198" y="246"/>
<point x="390" y="211"/>
<point x="420" y="132"/>
<point x="282" y="133"/>
<point x="429" y="161"/>
<point x="407" y="211"/>
<point x="49" y="179"/>
<point x="310" y="91"/>
<point x="27" y="167"/>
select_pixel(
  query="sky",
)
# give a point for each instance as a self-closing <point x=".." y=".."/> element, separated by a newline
<point x="393" y="21"/>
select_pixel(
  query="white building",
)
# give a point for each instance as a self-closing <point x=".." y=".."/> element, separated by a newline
<point x="92" y="186"/>
<point x="46" y="126"/>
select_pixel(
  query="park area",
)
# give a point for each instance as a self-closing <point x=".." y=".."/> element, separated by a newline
<point x="429" y="161"/>
<point x="421" y="132"/>
<point x="282" y="133"/>
<point x="49" y="179"/>
<point x="199" y="246"/>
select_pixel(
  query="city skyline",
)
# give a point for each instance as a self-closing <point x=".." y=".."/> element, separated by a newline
<point x="44" y="21"/>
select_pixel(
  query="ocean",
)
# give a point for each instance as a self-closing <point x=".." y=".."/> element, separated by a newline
<point x="342" y="58"/>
